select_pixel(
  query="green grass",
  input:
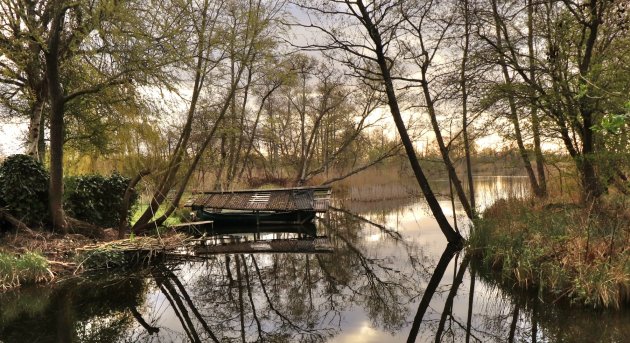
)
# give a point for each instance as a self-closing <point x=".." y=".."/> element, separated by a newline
<point x="28" y="268"/>
<point x="174" y="219"/>
<point x="561" y="249"/>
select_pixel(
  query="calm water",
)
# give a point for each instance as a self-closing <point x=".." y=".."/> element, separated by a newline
<point x="389" y="282"/>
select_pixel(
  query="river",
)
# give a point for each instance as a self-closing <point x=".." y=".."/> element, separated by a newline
<point x="390" y="278"/>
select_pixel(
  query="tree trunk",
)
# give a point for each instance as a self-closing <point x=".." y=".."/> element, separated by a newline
<point x="593" y="188"/>
<point x="590" y="181"/>
<point x="55" y="191"/>
<point x="124" y="208"/>
<point x="464" y="86"/>
<point x="232" y="174"/>
<point x="34" y="129"/>
<point x="36" y="81"/>
<point x="540" y="161"/>
<point x="250" y="143"/>
<point x="444" y="151"/>
<point x="451" y="235"/>
<point x="513" y="110"/>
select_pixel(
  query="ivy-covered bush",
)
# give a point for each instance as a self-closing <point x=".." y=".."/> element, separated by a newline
<point x="24" y="188"/>
<point x="96" y="199"/>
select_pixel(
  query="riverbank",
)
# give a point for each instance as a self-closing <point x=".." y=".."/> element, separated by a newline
<point x="38" y="257"/>
<point x="560" y="249"/>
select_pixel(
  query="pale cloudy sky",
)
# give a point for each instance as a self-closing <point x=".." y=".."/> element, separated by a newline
<point x="11" y="137"/>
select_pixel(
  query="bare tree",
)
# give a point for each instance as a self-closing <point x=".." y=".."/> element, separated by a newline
<point x="367" y="56"/>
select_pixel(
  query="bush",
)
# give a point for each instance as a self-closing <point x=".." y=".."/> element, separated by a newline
<point x="24" y="188"/>
<point x="97" y="199"/>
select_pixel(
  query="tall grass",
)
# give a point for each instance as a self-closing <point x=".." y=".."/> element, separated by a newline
<point x="28" y="268"/>
<point x="377" y="184"/>
<point x="579" y="253"/>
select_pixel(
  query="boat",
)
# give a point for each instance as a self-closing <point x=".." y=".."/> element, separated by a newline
<point x="298" y="217"/>
<point x="280" y="206"/>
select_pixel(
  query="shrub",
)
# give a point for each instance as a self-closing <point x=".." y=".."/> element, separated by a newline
<point x="24" y="188"/>
<point x="97" y="199"/>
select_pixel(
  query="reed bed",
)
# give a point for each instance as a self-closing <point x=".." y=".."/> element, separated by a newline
<point x="377" y="184"/>
<point x="567" y="251"/>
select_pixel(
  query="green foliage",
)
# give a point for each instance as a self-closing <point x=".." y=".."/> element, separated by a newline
<point x="97" y="199"/>
<point x="24" y="188"/>
<point x="24" y="269"/>
<point x="103" y="259"/>
<point x="613" y="122"/>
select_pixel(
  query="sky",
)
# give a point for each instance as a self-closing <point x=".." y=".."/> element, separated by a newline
<point x="12" y="133"/>
<point x="12" y="137"/>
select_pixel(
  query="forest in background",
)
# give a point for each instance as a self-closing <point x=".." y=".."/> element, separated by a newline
<point x="229" y="91"/>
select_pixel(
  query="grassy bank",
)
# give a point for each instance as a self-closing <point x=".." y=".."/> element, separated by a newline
<point x="563" y="250"/>
<point x="28" y="268"/>
<point x="45" y="257"/>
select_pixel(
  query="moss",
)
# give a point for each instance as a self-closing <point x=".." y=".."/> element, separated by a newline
<point x="560" y="249"/>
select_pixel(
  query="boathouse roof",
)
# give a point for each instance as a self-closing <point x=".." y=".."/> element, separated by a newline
<point x="280" y="199"/>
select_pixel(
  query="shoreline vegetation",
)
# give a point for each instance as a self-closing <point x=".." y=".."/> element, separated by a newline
<point x="394" y="181"/>
<point x="559" y="249"/>
<point x="43" y="257"/>
<point x="552" y="245"/>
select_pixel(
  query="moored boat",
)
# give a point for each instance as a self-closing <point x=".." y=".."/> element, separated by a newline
<point x="297" y="217"/>
<point x="282" y="206"/>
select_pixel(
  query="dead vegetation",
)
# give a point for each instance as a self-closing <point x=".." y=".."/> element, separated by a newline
<point x="578" y="252"/>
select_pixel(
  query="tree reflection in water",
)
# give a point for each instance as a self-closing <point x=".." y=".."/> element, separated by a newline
<point x="378" y="285"/>
<point x="290" y="297"/>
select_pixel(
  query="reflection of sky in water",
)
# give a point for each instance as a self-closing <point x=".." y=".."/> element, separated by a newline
<point x="418" y="229"/>
<point x="368" y="290"/>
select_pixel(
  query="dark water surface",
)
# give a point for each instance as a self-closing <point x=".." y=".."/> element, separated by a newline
<point x="391" y="282"/>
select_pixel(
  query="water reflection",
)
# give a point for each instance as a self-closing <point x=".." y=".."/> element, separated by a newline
<point x="389" y="279"/>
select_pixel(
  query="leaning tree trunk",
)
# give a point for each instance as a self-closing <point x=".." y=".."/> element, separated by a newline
<point x="444" y="151"/>
<point x="141" y="226"/>
<point x="201" y="69"/>
<point x="464" y="88"/>
<point x="123" y="224"/>
<point x="451" y="235"/>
